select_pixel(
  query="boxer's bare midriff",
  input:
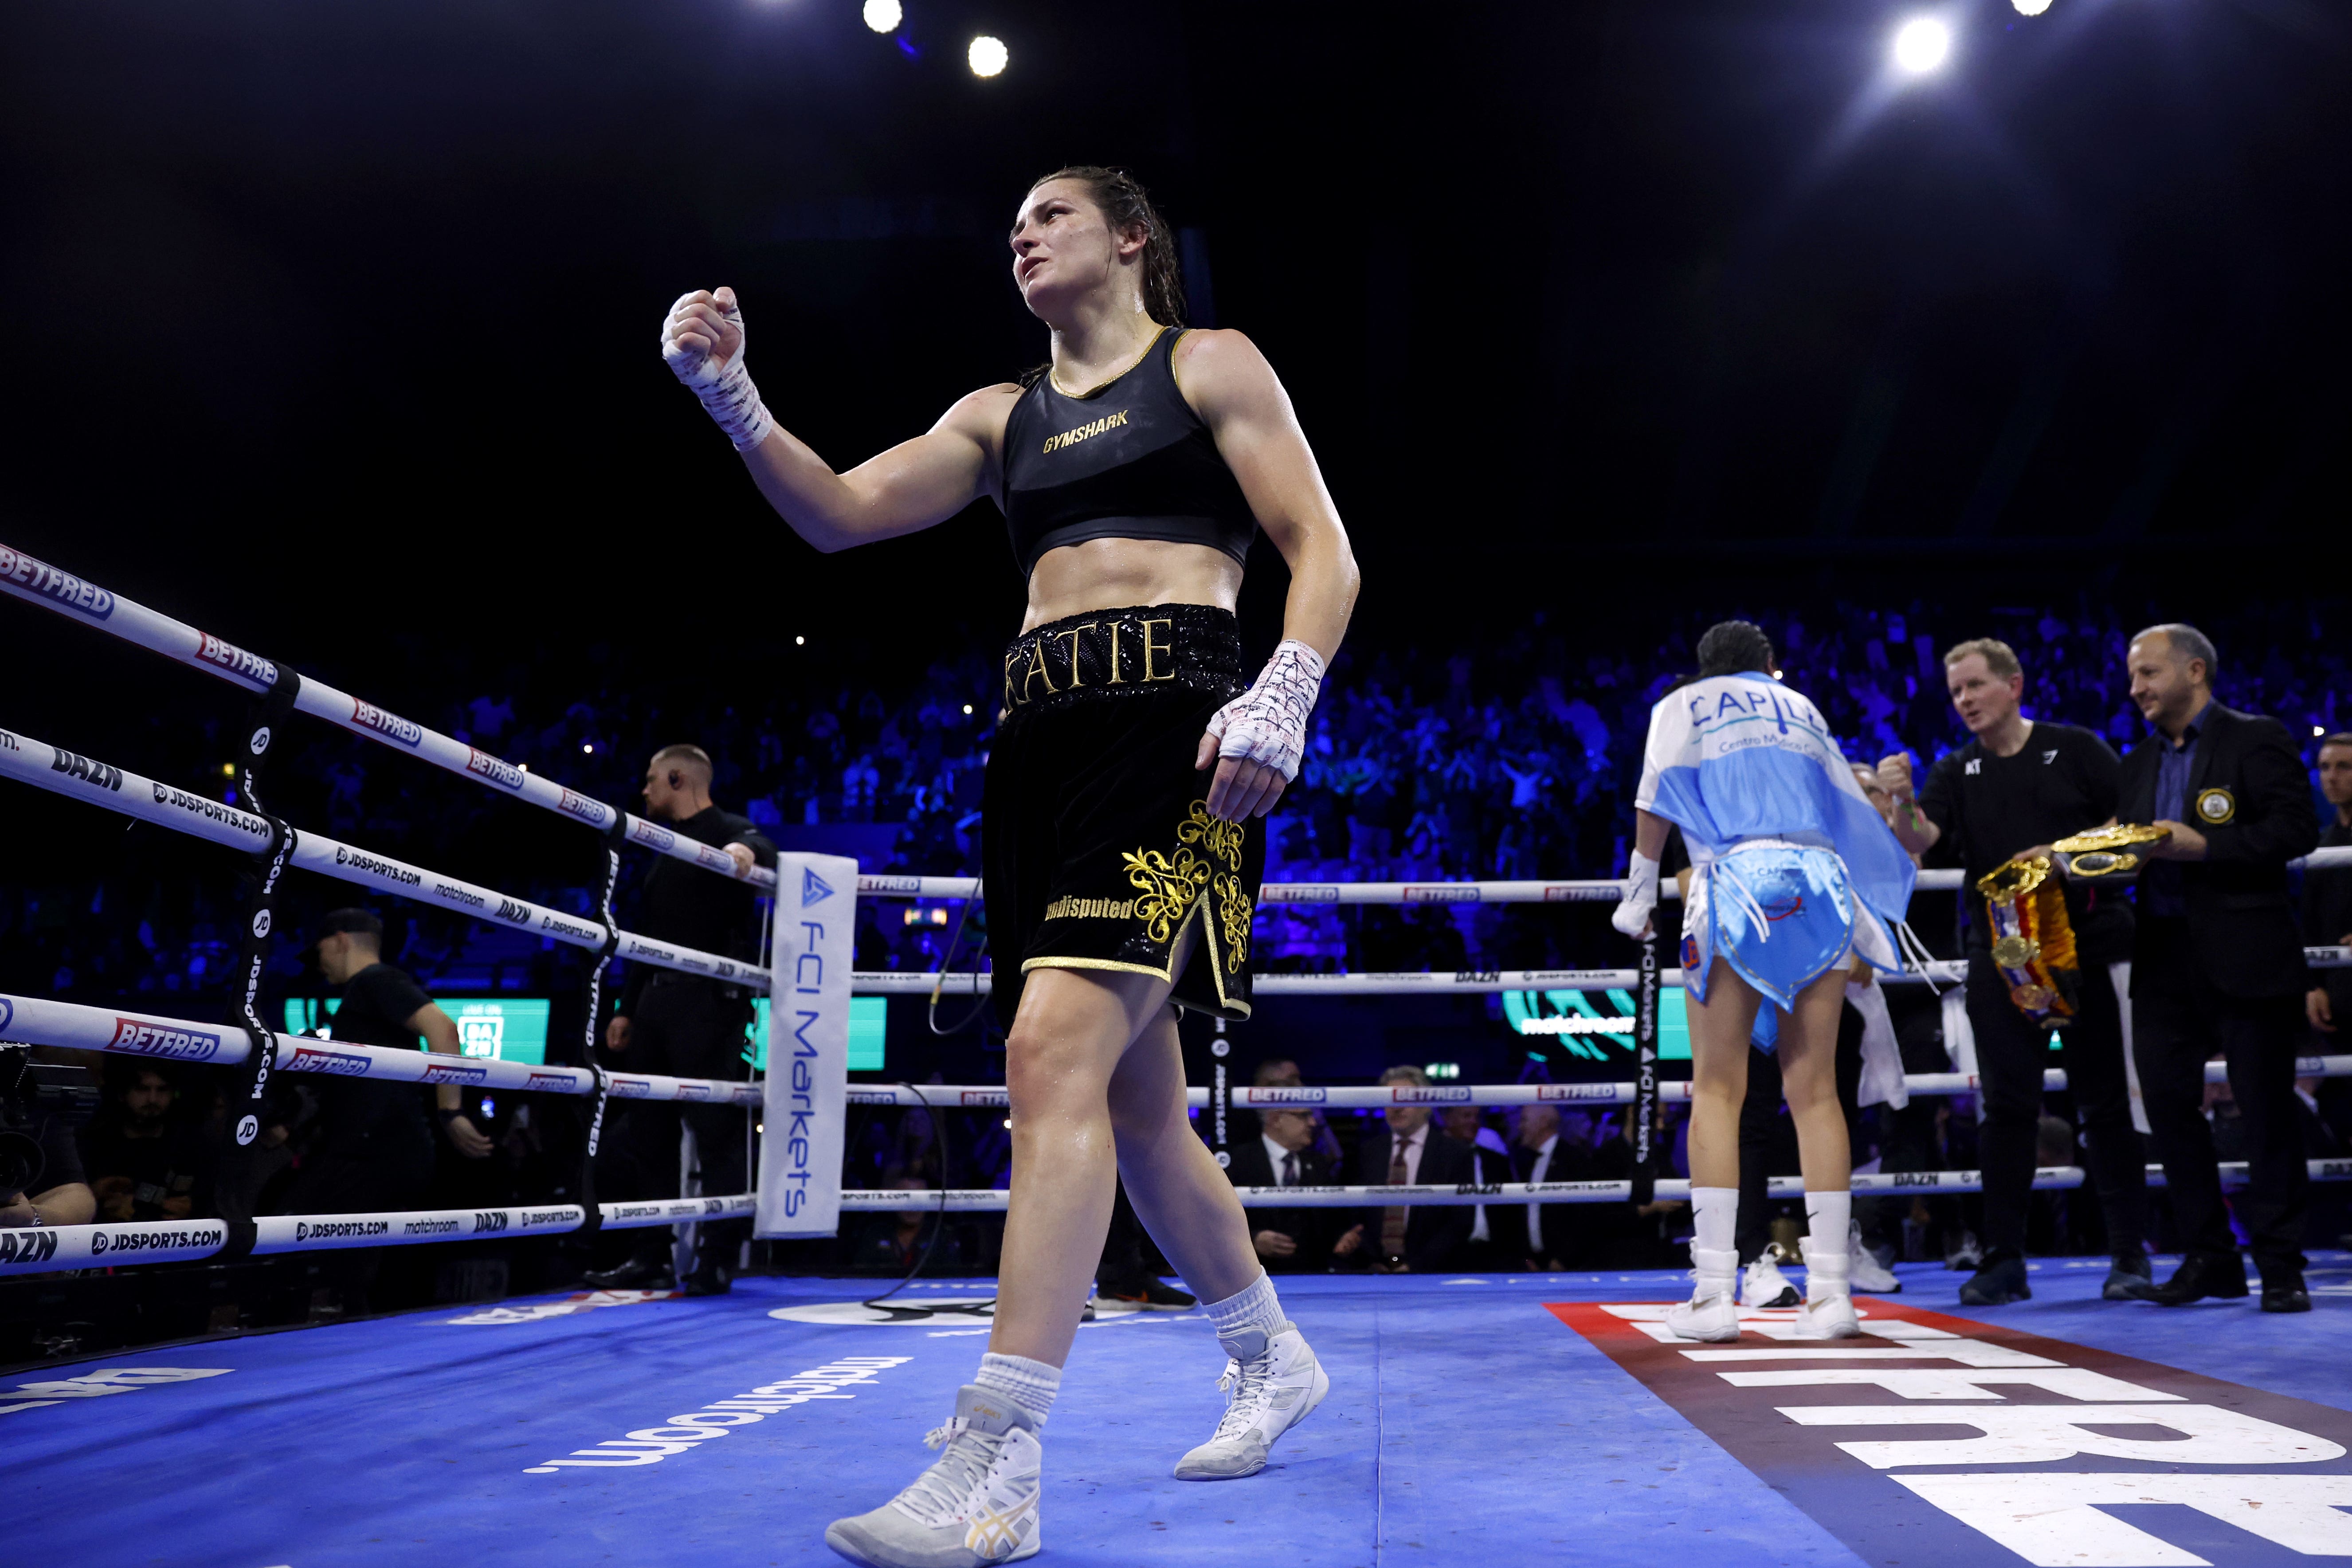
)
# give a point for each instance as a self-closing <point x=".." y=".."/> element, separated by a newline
<point x="1112" y="574"/>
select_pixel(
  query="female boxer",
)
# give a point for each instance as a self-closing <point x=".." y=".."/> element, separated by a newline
<point x="1134" y="470"/>
<point x="1795" y="872"/>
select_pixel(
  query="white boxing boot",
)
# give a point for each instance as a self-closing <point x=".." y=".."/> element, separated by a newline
<point x="1827" y="1311"/>
<point x="1711" y="1314"/>
<point x="1762" y="1284"/>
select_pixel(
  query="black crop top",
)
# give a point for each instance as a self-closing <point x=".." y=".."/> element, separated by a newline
<point x="1128" y="460"/>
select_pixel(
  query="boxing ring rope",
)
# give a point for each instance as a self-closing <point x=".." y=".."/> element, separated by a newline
<point x="69" y="774"/>
<point x="1556" y="892"/>
<point x="1507" y="1194"/>
<point x="37" y="582"/>
<point x="47" y="1248"/>
<point x="35" y="1021"/>
<point x="68" y="1024"/>
<point x="1379" y="1096"/>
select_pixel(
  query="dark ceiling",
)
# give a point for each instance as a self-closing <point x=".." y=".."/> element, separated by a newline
<point x="333" y="323"/>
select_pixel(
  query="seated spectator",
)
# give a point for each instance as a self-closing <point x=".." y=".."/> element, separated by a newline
<point x="142" y="1162"/>
<point x="1405" y="1151"/>
<point x="1490" y="1160"/>
<point x="891" y="1243"/>
<point x="1546" y="1155"/>
<point x="55" y="1192"/>
<point x="1283" y="1155"/>
<point x="1281" y="1072"/>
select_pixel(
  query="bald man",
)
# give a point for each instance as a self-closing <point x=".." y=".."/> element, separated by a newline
<point x="684" y="1025"/>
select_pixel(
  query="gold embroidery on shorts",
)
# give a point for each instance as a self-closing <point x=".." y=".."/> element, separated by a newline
<point x="1036" y="670"/>
<point x="1223" y="838"/>
<point x="1067" y="909"/>
<point x="1168" y="886"/>
<point x="1150" y="647"/>
<point x="1233" y="914"/>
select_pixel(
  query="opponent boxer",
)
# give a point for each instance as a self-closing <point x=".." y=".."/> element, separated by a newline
<point x="1794" y="872"/>
<point x="1134" y="470"/>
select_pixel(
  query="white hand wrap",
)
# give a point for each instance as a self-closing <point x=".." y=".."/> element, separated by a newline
<point x="1267" y="723"/>
<point x="725" y="390"/>
<point x="1631" y="915"/>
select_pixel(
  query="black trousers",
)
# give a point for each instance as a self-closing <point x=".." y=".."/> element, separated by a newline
<point x="2179" y="1019"/>
<point x="2012" y="1056"/>
<point x="686" y="1028"/>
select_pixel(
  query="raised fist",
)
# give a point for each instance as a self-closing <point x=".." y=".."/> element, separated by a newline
<point x="702" y="343"/>
<point x="1894" y="775"/>
<point x="703" y="335"/>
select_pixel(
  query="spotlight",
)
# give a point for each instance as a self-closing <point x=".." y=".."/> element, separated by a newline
<point x="987" y="56"/>
<point x="884" y="15"/>
<point x="1921" y="45"/>
<point x="798" y="641"/>
<point x="2030" y="7"/>
<point x="587" y="750"/>
<point x="967" y="708"/>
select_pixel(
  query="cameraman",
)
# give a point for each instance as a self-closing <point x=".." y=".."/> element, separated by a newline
<point x="55" y="1193"/>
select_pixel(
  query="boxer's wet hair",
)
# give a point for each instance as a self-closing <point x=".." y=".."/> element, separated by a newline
<point x="1728" y="648"/>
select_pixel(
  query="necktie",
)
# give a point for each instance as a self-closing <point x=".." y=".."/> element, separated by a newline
<point x="1392" y="1220"/>
<point x="1290" y="1170"/>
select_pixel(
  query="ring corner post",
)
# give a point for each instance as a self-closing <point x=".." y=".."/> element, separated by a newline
<point x="807" y="1091"/>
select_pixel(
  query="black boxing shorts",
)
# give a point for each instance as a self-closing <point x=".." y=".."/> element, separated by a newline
<point x="1097" y="850"/>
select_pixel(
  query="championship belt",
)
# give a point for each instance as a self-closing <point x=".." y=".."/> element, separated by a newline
<point x="2117" y="853"/>
<point x="2032" y="940"/>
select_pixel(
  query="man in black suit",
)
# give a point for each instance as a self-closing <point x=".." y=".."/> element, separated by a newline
<point x="1544" y="1154"/>
<point x="2218" y="961"/>
<point x="1406" y="1150"/>
<point x="1290" y="1241"/>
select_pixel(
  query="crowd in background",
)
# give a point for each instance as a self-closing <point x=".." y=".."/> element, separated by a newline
<point x="1512" y="757"/>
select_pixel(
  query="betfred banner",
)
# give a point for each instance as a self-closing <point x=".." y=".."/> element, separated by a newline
<point x="808" y="1047"/>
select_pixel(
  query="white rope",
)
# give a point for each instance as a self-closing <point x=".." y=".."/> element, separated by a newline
<point x="982" y="1200"/>
<point x="1457" y="983"/>
<point x="1378" y="1097"/>
<point x="76" y="599"/>
<point x="37" y="582"/>
<point x="36" y="1021"/>
<point x="48" y="1248"/>
<point x="1565" y="891"/>
<point x="60" y="772"/>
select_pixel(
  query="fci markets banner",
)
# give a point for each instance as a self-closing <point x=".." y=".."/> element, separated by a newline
<point x="808" y="1046"/>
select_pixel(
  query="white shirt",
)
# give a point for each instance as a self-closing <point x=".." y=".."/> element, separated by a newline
<point x="1537" y="1172"/>
<point x="1275" y="1155"/>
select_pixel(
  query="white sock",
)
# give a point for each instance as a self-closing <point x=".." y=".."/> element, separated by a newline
<point x="1031" y="1384"/>
<point x="1716" y="1211"/>
<point x="1253" y="1308"/>
<point x="1827" y="1220"/>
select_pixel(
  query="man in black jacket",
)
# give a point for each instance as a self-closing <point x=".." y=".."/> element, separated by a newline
<point x="1406" y="1150"/>
<point x="686" y="1025"/>
<point x="2327" y="893"/>
<point x="2218" y="961"/>
<point x="1283" y="1154"/>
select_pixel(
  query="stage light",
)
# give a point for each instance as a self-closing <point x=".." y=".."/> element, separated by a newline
<point x="884" y="15"/>
<point x="799" y="641"/>
<point x="987" y="56"/>
<point x="967" y="711"/>
<point x="1921" y="45"/>
<point x="2030" y="7"/>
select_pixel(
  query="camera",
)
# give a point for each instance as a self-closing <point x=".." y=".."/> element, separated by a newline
<point x="32" y="1094"/>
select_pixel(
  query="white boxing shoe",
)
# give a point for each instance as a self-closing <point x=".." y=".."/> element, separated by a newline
<point x="1864" y="1272"/>
<point x="1272" y="1384"/>
<point x="1711" y="1314"/>
<point x="977" y="1505"/>
<point x="1828" y="1312"/>
<point x="1761" y="1283"/>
